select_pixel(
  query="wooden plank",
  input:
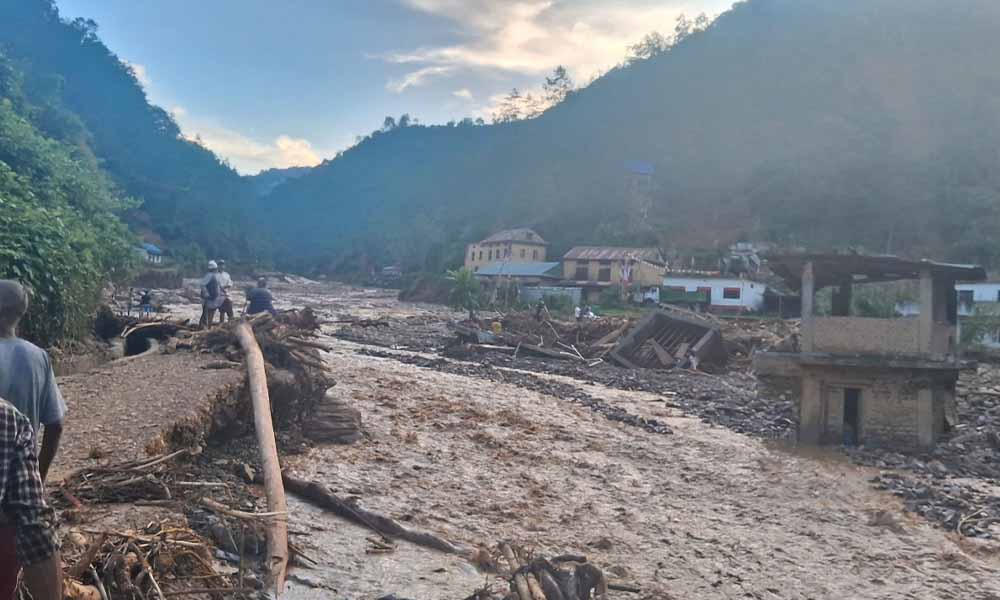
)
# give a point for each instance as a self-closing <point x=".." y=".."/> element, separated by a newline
<point x="682" y="350"/>
<point x="665" y="359"/>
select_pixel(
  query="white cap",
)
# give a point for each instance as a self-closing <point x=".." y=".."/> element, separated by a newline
<point x="212" y="265"/>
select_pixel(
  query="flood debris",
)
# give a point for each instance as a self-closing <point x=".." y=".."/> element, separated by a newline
<point x="664" y="341"/>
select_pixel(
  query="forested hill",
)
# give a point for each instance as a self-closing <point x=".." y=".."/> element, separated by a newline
<point x="86" y="97"/>
<point x="872" y="124"/>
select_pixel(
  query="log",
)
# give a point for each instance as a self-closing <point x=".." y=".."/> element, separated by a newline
<point x="613" y="336"/>
<point x="520" y="582"/>
<point x="277" y="529"/>
<point x="324" y="498"/>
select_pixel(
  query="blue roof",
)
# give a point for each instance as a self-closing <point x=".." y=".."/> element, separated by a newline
<point x="640" y="167"/>
<point x="152" y="248"/>
<point x="530" y="269"/>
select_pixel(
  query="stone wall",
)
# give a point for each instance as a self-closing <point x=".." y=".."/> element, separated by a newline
<point x="866" y="336"/>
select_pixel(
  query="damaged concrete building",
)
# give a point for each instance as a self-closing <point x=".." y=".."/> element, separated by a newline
<point x="872" y="381"/>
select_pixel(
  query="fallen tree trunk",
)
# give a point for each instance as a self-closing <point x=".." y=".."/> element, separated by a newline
<point x="324" y="498"/>
<point x="277" y="530"/>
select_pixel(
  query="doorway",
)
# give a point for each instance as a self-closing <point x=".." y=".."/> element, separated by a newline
<point x="852" y="416"/>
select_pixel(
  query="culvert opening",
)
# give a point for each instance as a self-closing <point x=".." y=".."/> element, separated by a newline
<point x="136" y="344"/>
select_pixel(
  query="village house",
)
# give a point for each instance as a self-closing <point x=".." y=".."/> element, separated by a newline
<point x="511" y="245"/>
<point x="714" y="292"/>
<point x="598" y="268"/>
<point x="871" y="381"/>
<point x="978" y="312"/>
<point x="150" y="253"/>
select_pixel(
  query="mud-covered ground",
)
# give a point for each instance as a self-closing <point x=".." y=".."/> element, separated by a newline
<point x="531" y="457"/>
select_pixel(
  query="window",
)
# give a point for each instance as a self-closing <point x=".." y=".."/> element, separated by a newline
<point x="534" y="255"/>
<point x="489" y="255"/>
<point x="582" y="271"/>
<point x="523" y="252"/>
<point x="965" y="297"/>
<point x="604" y="272"/>
<point x="731" y="293"/>
<point x="480" y="255"/>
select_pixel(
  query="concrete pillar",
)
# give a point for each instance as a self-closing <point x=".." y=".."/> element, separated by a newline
<point x="925" y="418"/>
<point x="927" y="311"/>
<point x="811" y="410"/>
<point x="808" y="335"/>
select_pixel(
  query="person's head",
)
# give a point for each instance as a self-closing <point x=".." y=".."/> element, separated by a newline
<point x="212" y="266"/>
<point x="13" y="304"/>
<point x="262" y="283"/>
<point x="222" y="264"/>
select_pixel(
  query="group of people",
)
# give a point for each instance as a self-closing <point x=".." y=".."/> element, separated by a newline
<point x="30" y="402"/>
<point x="215" y="289"/>
<point x="584" y="312"/>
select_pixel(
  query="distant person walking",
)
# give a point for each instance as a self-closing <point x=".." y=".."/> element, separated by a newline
<point x="225" y="282"/>
<point x="259" y="299"/>
<point x="26" y="377"/>
<point x="211" y="295"/>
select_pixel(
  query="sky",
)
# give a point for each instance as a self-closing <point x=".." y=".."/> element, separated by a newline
<point x="279" y="83"/>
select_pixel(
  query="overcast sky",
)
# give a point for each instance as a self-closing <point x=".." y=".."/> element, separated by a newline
<point x="270" y="83"/>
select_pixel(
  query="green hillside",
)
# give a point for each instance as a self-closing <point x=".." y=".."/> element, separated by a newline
<point x="804" y="122"/>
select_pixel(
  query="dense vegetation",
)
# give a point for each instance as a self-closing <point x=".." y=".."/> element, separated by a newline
<point x="802" y="122"/>
<point x="59" y="227"/>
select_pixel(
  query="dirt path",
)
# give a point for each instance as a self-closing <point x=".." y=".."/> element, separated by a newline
<point x="702" y="513"/>
<point x="120" y="408"/>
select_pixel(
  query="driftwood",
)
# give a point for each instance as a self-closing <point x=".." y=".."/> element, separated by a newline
<point x="277" y="530"/>
<point x="324" y="498"/>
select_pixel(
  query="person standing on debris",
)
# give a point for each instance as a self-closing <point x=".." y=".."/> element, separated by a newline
<point x="578" y="312"/>
<point x="26" y="377"/>
<point x="147" y="303"/>
<point x="539" y="309"/>
<point x="226" y="282"/>
<point x="259" y="299"/>
<point x="211" y="295"/>
<point x="27" y="526"/>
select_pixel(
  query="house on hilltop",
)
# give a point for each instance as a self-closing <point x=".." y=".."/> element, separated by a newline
<point x="597" y="268"/>
<point x="520" y="245"/>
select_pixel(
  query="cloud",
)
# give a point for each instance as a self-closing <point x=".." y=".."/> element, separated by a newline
<point x="247" y="154"/>
<point x="140" y="72"/>
<point x="534" y="36"/>
<point x="463" y="93"/>
<point x="418" y="77"/>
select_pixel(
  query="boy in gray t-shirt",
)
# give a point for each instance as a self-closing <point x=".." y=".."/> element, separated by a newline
<point x="26" y="377"/>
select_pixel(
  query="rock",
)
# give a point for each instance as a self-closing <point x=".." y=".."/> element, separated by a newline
<point x="334" y="420"/>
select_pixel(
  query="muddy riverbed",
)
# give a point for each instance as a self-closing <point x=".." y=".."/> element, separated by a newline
<point x="658" y="496"/>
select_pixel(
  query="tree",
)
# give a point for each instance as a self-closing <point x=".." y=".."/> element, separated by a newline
<point x="465" y="291"/>
<point x="404" y="120"/>
<point x="652" y="44"/>
<point x="388" y="124"/>
<point x="510" y="108"/>
<point x="558" y="86"/>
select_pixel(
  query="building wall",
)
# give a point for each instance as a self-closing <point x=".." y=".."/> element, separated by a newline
<point x="646" y="274"/>
<point x="981" y="292"/>
<point x="897" y="409"/>
<point x="751" y="295"/>
<point x="480" y="255"/>
<point x="534" y="294"/>
<point x="863" y="335"/>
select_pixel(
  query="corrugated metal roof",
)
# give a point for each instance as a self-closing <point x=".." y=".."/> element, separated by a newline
<point x="532" y="269"/>
<point x="614" y="253"/>
<point x="522" y="234"/>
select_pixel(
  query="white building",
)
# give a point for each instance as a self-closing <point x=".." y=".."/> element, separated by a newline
<point x="981" y="296"/>
<point x="723" y="293"/>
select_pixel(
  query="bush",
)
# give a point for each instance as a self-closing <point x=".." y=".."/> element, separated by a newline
<point x="611" y="298"/>
<point x="558" y="303"/>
